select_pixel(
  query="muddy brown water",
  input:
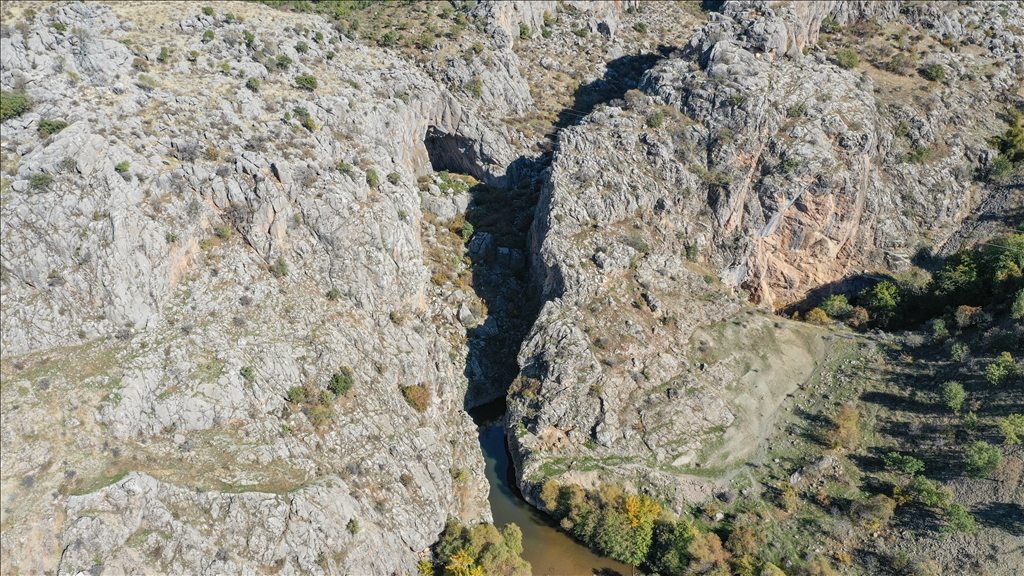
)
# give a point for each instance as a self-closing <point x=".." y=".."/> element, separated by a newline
<point x="549" y="551"/>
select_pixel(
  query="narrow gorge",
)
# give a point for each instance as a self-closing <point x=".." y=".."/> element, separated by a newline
<point x="512" y="287"/>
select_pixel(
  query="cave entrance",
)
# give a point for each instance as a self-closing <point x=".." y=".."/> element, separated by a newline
<point x="453" y="153"/>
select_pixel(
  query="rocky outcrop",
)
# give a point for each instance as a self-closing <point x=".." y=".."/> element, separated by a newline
<point x="194" y="253"/>
<point x="776" y="170"/>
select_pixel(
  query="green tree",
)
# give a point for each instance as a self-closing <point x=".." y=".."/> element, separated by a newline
<point x="953" y="396"/>
<point x="1017" y="310"/>
<point x="906" y="464"/>
<point x="982" y="459"/>
<point x="958" y="520"/>
<point x="836" y="306"/>
<point x="956" y="281"/>
<point x="881" y="300"/>
<point x="1002" y="369"/>
<point x="1012" y="427"/>
<point x="668" y="554"/>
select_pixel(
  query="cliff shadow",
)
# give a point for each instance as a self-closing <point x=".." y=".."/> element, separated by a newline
<point x="622" y="74"/>
<point x="495" y="226"/>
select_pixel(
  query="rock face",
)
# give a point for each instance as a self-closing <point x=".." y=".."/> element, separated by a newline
<point x="208" y="247"/>
<point x="167" y="285"/>
<point x="744" y="167"/>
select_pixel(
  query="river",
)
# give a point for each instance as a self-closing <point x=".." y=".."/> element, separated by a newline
<point x="549" y="551"/>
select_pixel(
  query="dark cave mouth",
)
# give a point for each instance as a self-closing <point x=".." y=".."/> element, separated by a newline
<point x="453" y="153"/>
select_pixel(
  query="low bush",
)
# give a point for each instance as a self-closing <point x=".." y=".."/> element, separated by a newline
<point x="41" y="180"/>
<point x="253" y="84"/>
<point x="1012" y="428"/>
<point x="296" y="395"/>
<point x="524" y="32"/>
<point x="50" y="127"/>
<point x="306" y="82"/>
<point x="341" y="382"/>
<point x="933" y="72"/>
<point x="1002" y="370"/>
<point x="333" y="294"/>
<point x="208" y="36"/>
<point x="222" y="231"/>
<point x="847" y="58"/>
<point x="394" y="177"/>
<point x="249" y="373"/>
<point x="417" y="397"/>
<point x="301" y="47"/>
<point x="122" y="166"/>
<point x="12" y="104"/>
<point x="817" y="316"/>
<point x="797" y="110"/>
<point x="640" y="27"/>
<point x="283" y="61"/>
<point x="372" y="178"/>
<point x="897" y="462"/>
<point x="279" y="268"/>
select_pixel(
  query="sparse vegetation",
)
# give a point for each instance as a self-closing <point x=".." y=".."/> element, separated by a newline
<point x="417" y="397"/>
<point x="847" y="58"/>
<point x="279" y="268"/>
<point x="48" y="127"/>
<point x="306" y="82"/>
<point x="12" y="104"/>
<point x="253" y="84"/>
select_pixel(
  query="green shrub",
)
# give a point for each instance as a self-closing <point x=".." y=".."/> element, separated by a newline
<point x="371" y="178"/>
<point x="1000" y="169"/>
<point x="836" y="306"/>
<point x="164" y="54"/>
<point x="467" y="230"/>
<point x="249" y="38"/>
<point x="207" y="10"/>
<point x="49" y="127"/>
<point x="253" y="84"/>
<point x="789" y="164"/>
<point x="389" y="38"/>
<point x="279" y="268"/>
<point x="919" y="155"/>
<point x="341" y="381"/>
<point x="146" y="82"/>
<point x="222" y="231"/>
<point x="171" y="237"/>
<point x="981" y="459"/>
<point x="301" y="47"/>
<point x="640" y="27"/>
<point x="797" y="110"/>
<point x="283" y="61"/>
<point x="208" y="36"/>
<point x="928" y="494"/>
<point x="958" y="521"/>
<point x="953" y="396"/>
<point x="546" y="32"/>
<point x="417" y="397"/>
<point x="1012" y="428"/>
<point x="319" y="36"/>
<point x="352" y="526"/>
<point x="881" y="300"/>
<point x="249" y="373"/>
<point x="307" y="123"/>
<point x="934" y="72"/>
<point x="906" y="464"/>
<point x="847" y="58"/>
<point x="1011" y="142"/>
<point x="333" y="294"/>
<point x="959" y="352"/>
<point x="41" y="180"/>
<point x="476" y="87"/>
<point x="1017" y="309"/>
<point x="122" y="166"/>
<point x="59" y="26"/>
<point x="296" y="394"/>
<point x="306" y="82"/>
<point x="524" y="32"/>
<point x="344" y="167"/>
<point x="12" y="104"/>
<point x="830" y="26"/>
<point x="582" y="32"/>
<point x="657" y="119"/>
<point x="394" y="177"/>
<point x="1002" y="370"/>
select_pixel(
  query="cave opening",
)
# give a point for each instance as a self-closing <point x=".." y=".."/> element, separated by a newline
<point x="452" y="153"/>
